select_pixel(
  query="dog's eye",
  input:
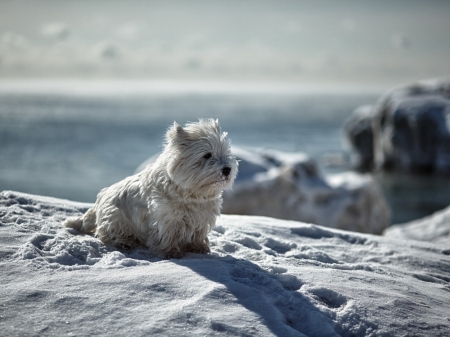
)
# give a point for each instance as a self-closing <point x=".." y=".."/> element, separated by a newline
<point x="208" y="155"/>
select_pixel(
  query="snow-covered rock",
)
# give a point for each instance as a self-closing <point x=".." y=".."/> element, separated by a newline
<point x="263" y="277"/>
<point x="433" y="228"/>
<point x="410" y="127"/>
<point x="290" y="186"/>
<point x="358" y="134"/>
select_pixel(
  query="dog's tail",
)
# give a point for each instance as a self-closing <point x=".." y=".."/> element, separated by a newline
<point x="84" y="224"/>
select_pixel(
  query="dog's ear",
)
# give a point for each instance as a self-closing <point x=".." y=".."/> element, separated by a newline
<point x="216" y="125"/>
<point x="176" y="134"/>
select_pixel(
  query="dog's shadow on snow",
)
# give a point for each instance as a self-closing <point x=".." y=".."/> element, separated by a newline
<point x="272" y="295"/>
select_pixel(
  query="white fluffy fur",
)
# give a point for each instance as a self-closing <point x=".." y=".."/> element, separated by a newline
<point x="171" y="206"/>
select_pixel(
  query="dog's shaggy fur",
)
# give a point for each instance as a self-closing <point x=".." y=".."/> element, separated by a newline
<point x="171" y="206"/>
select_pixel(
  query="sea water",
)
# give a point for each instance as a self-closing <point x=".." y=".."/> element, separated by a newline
<point x="72" y="146"/>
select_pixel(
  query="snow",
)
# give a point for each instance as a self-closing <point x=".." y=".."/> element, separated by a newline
<point x="290" y="186"/>
<point x="263" y="277"/>
<point x="433" y="228"/>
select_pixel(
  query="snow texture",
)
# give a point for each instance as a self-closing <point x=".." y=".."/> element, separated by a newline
<point x="409" y="129"/>
<point x="433" y="228"/>
<point x="263" y="277"/>
<point x="290" y="186"/>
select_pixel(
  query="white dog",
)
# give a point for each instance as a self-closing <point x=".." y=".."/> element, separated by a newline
<point x="172" y="204"/>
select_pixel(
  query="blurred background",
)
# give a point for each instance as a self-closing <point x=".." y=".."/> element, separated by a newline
<point x="372" y="43"/>
<point x="88" y="88"/>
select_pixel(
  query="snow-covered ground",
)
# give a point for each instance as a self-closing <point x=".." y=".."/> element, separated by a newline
<point x="433" y="228"/>
<point x="264" y="277"/>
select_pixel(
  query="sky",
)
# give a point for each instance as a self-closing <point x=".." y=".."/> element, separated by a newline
<point x="320" y="42"/>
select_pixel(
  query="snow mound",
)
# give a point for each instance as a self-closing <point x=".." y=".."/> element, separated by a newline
<point x="290" y="186"/>
<point x="264" y="277"/>
<point x="433" y="228"/>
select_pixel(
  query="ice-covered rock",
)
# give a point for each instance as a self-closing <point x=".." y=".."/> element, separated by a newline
<point x="410" y="126"/>
<point x="290" y="186"/>
<point x="263" y="277"/>
<point x="433" y="228"/>
<point x="358" y="134"/>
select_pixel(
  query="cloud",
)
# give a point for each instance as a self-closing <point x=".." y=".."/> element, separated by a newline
<point x="12" y="40"/>
<point x="56" y="30"/>
<point x="400" y="41"/>
<point x="128" y="31"/>
<point x="197" y="42"/>
<point x="108" y="50"/>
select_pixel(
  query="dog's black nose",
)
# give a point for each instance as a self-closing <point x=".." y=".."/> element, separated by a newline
<point x="226" y="171"/>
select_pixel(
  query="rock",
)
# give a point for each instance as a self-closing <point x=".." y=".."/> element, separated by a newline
<point x="433" y="228"/>
<point x="290" y="186"/>
<point x="410" y="127"/>
<point x="358" y="134"/>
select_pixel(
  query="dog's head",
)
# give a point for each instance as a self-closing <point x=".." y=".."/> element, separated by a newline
<point x="199" y="157"/>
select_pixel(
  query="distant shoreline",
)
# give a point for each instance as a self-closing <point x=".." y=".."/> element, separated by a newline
<point x="136" y="87"/>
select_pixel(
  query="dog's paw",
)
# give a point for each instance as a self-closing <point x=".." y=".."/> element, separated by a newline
<point x="200" y="249"/>
<point x="175" y="254"/>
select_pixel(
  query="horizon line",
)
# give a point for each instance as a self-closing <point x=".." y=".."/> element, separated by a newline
<point x="137" y="87"/>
